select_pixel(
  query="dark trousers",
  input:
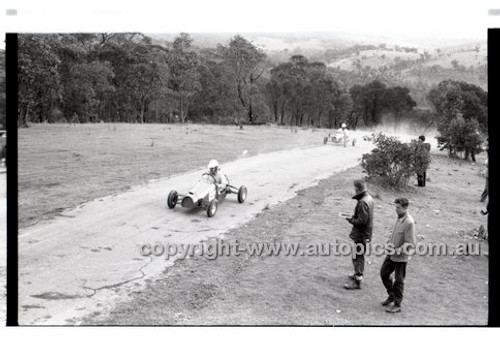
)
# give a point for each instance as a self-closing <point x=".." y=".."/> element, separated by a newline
<point x="359" y="260"/>
<point x="394" y="287"/>
<point x="421" y="178"/>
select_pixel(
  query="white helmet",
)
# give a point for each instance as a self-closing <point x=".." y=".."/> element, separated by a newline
<point x="344" y="125"/>
<point x="213" y="164"/>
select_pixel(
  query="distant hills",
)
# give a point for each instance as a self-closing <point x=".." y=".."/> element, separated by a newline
<point x="319" y="40"/>
<point x="399" y="59"/>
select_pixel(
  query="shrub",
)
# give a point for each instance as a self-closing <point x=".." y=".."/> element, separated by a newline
<point x="393" y="162"/>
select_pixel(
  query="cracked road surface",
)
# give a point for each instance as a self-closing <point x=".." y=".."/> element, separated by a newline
<point x="87" y="259"/>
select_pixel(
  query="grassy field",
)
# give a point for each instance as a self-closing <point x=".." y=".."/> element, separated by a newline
<point x="62" y="166"/>
<point x="287" y="290"/>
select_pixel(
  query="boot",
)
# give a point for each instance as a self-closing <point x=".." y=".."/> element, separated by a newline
<point x="355" y="283"/>
<point x="388" y="301"/>
<point x="395" y="308"/>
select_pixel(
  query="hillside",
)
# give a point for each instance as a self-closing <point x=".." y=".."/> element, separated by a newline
<point x="425" y="67"/>
<point x="377" y="58"/>
<point x="397" y="61"/>
<point x="270" y="42"/>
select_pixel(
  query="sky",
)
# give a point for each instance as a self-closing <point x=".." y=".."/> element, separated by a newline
<point x="425" y="19"/>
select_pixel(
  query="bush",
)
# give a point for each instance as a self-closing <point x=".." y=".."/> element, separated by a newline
<point x="393" y="162"/>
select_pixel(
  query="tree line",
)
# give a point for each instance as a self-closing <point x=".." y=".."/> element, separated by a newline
<point x="126" y="77"/>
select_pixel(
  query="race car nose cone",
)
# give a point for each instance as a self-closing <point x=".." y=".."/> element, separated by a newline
<point x="187" y="202"/>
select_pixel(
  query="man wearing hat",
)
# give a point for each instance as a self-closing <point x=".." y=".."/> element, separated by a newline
<point x="402" y="240"/>
<point x="361" y="233"/>
<point x="421" y="160"/>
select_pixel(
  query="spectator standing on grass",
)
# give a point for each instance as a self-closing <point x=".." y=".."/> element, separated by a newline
<point x="402" y="239"/>
<point x="422" y="160"/>
<point x="361" y="233"/>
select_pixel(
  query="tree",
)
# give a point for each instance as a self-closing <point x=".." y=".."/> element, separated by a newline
<point x="398" y="100"/>
<point x="38" y="77"/>
<point x="462" y="111"/>
<point x="145" y="78"/>
<point x="307" y="93"/>
<point x="274" y="94"/>
<point x="246" y="64"/>
<point x="451" y="97"/>
<point x="326" y="97"/>
<point x="184" y="79"/>
<point x="216" y="100"/>
<point x="86" y="91"/>
<point x="460" y="135"/>
<point x="140" y="75"/>
<point x="368" y="100"/>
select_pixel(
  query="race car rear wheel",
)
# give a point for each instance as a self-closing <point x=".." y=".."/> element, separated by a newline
<point x="325" y="140"/>
<point x="212" y="207"/>
<point x="242" y="194"/>
<point x="172" y="199"/>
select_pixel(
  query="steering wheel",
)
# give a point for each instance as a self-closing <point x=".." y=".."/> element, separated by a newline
<point x="208" y="174"/>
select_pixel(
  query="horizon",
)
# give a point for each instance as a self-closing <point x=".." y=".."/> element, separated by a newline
<point x="428" y="22"/>
<point x="305" y="36"/>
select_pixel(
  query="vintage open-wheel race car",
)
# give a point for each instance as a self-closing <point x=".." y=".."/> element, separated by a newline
<point x="338" y="137"/>
<point x="206" y="195"/>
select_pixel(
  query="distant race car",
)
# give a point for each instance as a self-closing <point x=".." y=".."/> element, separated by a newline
<point x="205" y="195"/>
<point x="338" y="137"/>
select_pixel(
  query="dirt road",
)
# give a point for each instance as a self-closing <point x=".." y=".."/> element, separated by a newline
<point x="89" y="257"/>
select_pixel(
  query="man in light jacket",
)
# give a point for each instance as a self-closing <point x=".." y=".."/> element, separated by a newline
<point x="402" y="240"/>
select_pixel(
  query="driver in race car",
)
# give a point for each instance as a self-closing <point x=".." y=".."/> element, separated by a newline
<point x="214" y="170"/>
<point x="345" y="133"/>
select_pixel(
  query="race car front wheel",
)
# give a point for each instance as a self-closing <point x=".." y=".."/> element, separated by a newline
<point x="172" y="199"/>
<point x="212" y="207"/>
<point x="242" y="194"/>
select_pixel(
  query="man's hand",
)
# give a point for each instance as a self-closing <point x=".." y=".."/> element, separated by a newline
<point x="345" y="215"/>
